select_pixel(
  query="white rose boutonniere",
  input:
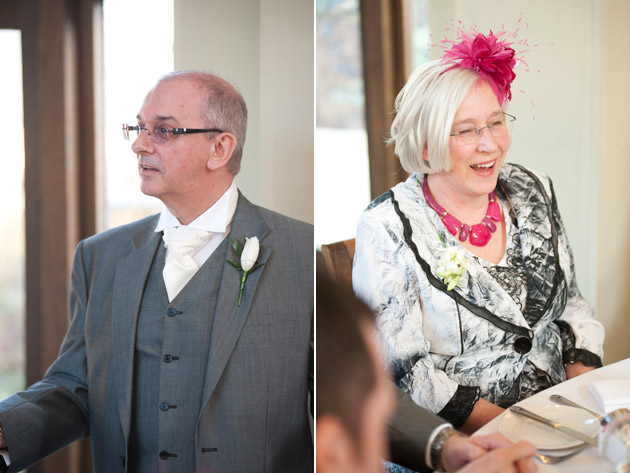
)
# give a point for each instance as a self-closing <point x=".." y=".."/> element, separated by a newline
<point x="248" y="254"/>
<point x="452" y="265"/>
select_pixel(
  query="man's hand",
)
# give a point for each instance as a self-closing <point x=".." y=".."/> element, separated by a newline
<point x="487" y="454"/>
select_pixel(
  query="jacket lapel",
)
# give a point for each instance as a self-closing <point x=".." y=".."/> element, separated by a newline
<point x="539" y="240"/>
<point x="131" y="276"/>
<point x="229" y="317"/>
<point x="482" y="295"/>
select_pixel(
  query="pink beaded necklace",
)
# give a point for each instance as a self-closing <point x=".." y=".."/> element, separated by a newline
<point x="481" y="233"/>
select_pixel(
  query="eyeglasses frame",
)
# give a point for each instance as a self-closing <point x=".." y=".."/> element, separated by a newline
<point x="126" y="128"/>
<point x="511" y="119"/>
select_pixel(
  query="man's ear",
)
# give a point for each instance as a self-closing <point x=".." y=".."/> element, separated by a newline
<point x="335" y="449"/>
<point x="221" y="149"/>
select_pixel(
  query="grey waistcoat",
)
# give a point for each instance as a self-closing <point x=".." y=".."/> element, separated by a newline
<point x="172" y="343"/>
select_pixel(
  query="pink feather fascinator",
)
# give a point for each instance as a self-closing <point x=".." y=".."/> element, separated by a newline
<point x="491" y="56"/>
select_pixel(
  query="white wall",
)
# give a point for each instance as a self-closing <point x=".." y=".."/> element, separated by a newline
<point x="563" y="138"/>
<point x="266" y="48"/>
<point x="613" y="275"/>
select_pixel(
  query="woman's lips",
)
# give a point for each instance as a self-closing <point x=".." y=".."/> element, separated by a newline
<point x="483" y="168"/>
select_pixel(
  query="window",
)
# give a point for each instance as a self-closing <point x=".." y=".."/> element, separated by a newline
<point x="12" y="224"/>
<point x="341" y="155"/>
<point x="138" y="49"/>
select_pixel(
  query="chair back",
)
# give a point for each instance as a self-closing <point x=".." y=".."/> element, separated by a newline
<point x="338" y="257"/>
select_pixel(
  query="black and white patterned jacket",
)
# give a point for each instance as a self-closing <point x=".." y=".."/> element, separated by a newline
<point x="448" y="348"/>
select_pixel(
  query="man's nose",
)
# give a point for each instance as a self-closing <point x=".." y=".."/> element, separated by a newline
<point x="142" y="144"/>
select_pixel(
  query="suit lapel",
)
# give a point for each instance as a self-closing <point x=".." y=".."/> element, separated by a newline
<point x="229" y="318"/>
<point x="131" y="276"/>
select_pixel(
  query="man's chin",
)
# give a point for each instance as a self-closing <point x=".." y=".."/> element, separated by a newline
<point x="149" y="188"/>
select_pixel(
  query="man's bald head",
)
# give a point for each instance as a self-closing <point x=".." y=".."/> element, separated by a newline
<point x="224" y="107"/>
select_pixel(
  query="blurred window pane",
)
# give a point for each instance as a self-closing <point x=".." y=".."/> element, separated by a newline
<point x="138" y="49"/>
<point x="420" y="36"/>
<point x="341" y="156"/>
<point x="12" y="225"/>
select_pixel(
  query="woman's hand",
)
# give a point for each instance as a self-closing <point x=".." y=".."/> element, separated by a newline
<point x="482" y="413"/>
<point x="576" y="369"/>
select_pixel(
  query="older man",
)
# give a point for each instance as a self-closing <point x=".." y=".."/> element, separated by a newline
<point x="180" y="356"/>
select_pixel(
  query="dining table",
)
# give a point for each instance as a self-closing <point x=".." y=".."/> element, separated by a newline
<point x="577" y="390"/>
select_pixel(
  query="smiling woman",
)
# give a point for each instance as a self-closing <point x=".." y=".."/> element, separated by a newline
<point x="468" y="338"/>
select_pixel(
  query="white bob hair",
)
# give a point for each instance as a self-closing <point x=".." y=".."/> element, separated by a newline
<point x="425" y="110"/>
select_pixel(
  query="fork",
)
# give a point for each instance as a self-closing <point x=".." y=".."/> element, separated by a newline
<point x="553" y="459"/>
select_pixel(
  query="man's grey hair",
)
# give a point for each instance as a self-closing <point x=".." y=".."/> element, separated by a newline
<point x="225" y="108"/>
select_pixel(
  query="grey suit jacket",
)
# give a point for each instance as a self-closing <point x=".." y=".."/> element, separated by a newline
<point x="254" y="414"/>
<point x="409" y="432"/>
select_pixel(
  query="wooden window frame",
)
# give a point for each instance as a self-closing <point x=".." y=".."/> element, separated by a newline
<point x="62" y="82"/>
<point x="386" y="60"/>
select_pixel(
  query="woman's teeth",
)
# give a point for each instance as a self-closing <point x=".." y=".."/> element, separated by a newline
<point x="483" y="166"/>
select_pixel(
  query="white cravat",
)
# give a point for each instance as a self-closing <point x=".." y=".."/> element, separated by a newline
<point x="179" y="266"/>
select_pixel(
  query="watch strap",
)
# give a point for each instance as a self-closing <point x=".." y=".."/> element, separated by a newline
<point x="438" y="445"/>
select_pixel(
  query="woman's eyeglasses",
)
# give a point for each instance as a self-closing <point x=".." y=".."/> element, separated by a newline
<point x="499" y="128"/>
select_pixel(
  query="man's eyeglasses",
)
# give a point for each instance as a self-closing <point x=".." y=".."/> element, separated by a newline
<point x="499" y="128"/>
<point x="160" y="133"/>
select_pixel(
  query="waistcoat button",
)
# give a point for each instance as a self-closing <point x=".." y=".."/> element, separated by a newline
<point x="522" y="345"/>
<point x="167" y="358"/>
<point x="165" y="406"/>
<point x="171" y="312"/>
<point x="164" y="455"/>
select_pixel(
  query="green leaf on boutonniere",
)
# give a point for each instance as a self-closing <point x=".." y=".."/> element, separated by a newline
<point x="236" y="265"/>
<point x="248" y="253"/>
<point x="238" y="249"/>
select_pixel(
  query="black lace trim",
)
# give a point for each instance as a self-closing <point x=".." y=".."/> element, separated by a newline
<point x="566" y="334"/>
<point x="459" y="407"/>
<point x="585" y="357"/>
<point x="570" y="354"/>
<point x="512" y="277"/>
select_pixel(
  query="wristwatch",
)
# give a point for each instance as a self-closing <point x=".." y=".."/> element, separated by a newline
<point x="438" y="444"/>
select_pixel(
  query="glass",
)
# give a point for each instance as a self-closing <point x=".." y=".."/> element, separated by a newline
<point x="419" y="32"/>
<point x="12" y="223"/>
<point x="341" y="151"/>
<point x="126" y="23"/>
<point x="498" y="129"/>
<point x="160" y="133"/>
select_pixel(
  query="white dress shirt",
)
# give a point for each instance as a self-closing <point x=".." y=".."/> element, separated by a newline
<point x="217" y="220"/>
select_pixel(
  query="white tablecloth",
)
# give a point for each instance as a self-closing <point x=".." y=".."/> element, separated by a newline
<point x="575" y="389"/>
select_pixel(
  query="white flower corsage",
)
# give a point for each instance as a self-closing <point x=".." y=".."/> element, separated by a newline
<point x="248" y="254"/>
<point x="452" y="265"/>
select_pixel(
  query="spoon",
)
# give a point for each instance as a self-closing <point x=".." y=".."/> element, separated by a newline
<point x="567" y="402"/>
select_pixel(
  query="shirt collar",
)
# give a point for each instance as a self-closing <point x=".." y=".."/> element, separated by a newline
<point x="216" y="219"/>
